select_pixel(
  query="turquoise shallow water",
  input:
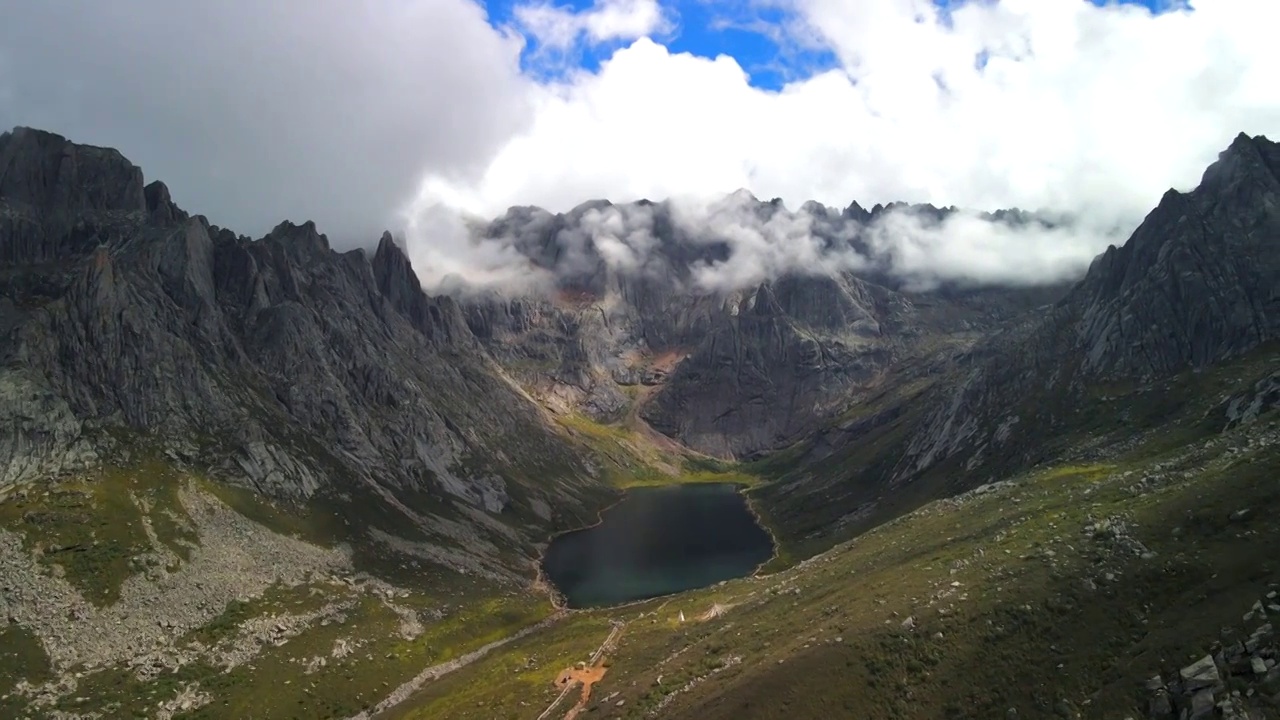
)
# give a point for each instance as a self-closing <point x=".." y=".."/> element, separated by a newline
<point x="658" y="541"/>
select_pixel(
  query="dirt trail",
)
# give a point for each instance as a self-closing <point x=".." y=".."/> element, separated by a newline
<point x="434" y="672"/>
<point x="587" y="675"/>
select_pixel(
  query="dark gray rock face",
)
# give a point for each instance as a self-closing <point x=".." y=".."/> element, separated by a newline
<point x="437" y="318"/>
<point x="277" y="362"/>
<point x="43" y="171"/>
<point x="800" y="350"/>
<point x="597" y="328"/>
<point x="1197" y="283"/>
<point x="729" y="372"/>
<point x="46" y="183"/>
<point x="774" y="369"/>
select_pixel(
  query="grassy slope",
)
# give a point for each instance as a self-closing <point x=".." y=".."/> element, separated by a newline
<point x="815" y="504"/>
<point x="1034" y="623"/>
<point x="273" y="684"/>
<point x="21" y="658"/>
<point x="92" y="529"/>
<point x="632" y="459"/>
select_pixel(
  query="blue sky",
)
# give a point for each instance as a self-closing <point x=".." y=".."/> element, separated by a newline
<point x="707" y="29"/>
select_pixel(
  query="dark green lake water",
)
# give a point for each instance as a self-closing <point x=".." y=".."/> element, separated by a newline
<point x="658" y="541"/>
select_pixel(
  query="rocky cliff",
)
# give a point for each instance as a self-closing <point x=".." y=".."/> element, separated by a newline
<point x="800" y="351"/>
<point x="649" y="309"/>
<point x="1193" y="287"/>
<point x="1133" y="352"/>
<point x="127" y="325"/>
<point x="1196" y="284"/>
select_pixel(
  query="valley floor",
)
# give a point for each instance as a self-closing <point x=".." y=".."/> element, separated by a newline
<point x="1058" y="593"/>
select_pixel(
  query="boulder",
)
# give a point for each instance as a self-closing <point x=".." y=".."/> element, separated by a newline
<point x="1201" y="674"/>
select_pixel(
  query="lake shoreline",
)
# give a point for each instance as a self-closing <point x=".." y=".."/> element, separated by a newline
<point x="542" y="583"/>
<point x="686" y="519"/>
<point x="773" y="537"/>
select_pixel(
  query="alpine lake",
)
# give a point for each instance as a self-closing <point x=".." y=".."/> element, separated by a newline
<point x="658" y="541"/>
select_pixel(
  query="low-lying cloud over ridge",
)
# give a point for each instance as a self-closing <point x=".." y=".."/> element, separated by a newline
<point x="360" y="114"/>
<point x="736" y="241"/>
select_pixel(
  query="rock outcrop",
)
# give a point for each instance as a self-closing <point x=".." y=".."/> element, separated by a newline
<point x="783" y="361"/>
<point x="1196" y="284"/>
<point x="1200" y="690"/>
<point x="278" y="362"/>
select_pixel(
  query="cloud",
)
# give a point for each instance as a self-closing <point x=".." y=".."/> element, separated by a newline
<point x="1088" y="109"/>
<point x="968" y="249"/>
<point x="560" y="28"/>
<point x="253" y="112"/>
<point x="623" y="236"/>
<point x="763" y="242"/>
<point x="450" y="253"/>
<point x="719" y="245"/>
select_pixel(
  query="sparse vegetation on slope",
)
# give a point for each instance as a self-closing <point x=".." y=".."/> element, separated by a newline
<point x="633" y="459"/>
<point x="820" y="493"/>
<point x="97" y="530"/>
<point x="273" y="621"/>
<point x="1056" y="594"/>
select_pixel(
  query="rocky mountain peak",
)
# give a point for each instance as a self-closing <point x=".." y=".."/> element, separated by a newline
<point x="386" y="243"/>
<point x="1244" y="157"/>
<point x="1195" y="283"/>
<point x="438" y="318"/>
<point x="765" y="303"/>
<point x="301" y="241"/>
<point x="60" y="200"/>
<point x="393" y="271"/>
<point x="46" y="171"/>
<point x="587" y="206"/>
<point x="160" y="207"/>
<point x="126" y="324"/>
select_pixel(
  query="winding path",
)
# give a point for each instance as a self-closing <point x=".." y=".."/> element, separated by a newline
<point x="596" y="658"/>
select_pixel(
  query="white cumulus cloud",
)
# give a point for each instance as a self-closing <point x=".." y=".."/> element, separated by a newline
<point x="560" y="27"/>
<point x="1078" y="107"/>
<point x="1057" y="104"/>
<point x="967" y="248"/>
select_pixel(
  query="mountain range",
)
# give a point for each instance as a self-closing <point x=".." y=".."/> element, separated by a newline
<point x="459" y="429"/>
